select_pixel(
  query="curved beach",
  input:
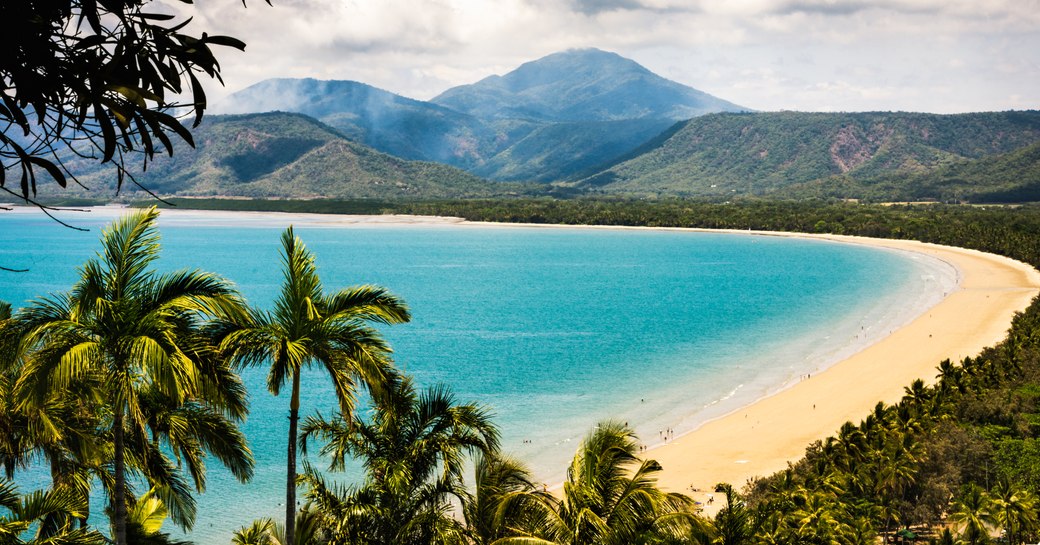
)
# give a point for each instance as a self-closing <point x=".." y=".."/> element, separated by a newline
<point x="763" y="437"/>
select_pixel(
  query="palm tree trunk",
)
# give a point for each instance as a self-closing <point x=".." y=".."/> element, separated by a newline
<point x="119" y="509"/>
<point x="290" y="483"/>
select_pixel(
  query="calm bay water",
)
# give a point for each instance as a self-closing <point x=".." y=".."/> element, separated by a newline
<point x="555" y="329"/>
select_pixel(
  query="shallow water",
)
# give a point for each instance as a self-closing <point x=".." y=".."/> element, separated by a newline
<point x="554" y="329"/>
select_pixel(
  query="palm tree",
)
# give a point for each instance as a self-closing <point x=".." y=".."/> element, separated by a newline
<point x="46" y="515"/>
<point x="266" y="531"/>
<point x="1014" y="509"/>
<point x="971" y="511"/>
<point x="414" y="451"/>
<point x="145" y="518"/>
<point x="310" y="327"/>
<point x="735" y="524"/>
<point x="610" y="497"/>
<point x="489" y="515"/>
<point x="259" y="532"/>
<point x="815" y="520"/>
<point x="128" y="329"/>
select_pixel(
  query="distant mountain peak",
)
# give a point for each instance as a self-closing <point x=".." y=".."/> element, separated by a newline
<point x="581" y="85"/>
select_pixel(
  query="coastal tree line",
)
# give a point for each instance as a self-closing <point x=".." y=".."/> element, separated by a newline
<point x="126" y="382"/>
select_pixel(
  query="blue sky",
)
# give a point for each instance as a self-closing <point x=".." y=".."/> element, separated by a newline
<point x="943" y="56"/>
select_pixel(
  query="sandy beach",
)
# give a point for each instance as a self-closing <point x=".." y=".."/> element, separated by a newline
<point x="761" y="438"/>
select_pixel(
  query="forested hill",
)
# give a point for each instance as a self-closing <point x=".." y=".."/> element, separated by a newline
<point x="846" y="155"/>
<point x="281" y="155"/>
<point x="550" y="119"/>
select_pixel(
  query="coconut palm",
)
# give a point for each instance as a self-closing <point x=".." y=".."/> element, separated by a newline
<point x="736" y="523"/>
<point x="816" y="519"/>
<point x="127" y="329"/>
<point x="311" y="327"/>
<point x="145" y="518"/>
<point x="259" y="532"/>
<point x="488" y="513"/>
<point x="62" y="430"/>
<point x="266" y="531"/>
<point x="1014" y="509"/>
<point x="44" y="517"/>
<point x="414" y="450"/>
<point x="971" y="512"/>
<point x="610" y="497"/>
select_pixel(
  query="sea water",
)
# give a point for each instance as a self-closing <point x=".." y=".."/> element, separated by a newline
<point x="553" y="329"/>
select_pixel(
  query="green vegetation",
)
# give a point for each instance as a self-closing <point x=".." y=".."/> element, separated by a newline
<point x="414" y="450"/>
<point x="874" y="155"/>
<point x="311" y="327"/>
<point x="279" y="155"/>
<point x="99" y="81"/>
<point x="118" y="369"/>
<point x="955" y="460"/>
<point x="1008" y="231"/>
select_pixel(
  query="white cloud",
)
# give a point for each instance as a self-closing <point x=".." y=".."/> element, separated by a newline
<point x="930" y="55"/>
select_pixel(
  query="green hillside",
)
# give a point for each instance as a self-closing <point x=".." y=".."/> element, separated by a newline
<point x="549" y="119"/>
<point x="567" y="150"/>
<point x="831" y="154"/>
<point x="1007" y="177"/>
<point x="280" y="155"/>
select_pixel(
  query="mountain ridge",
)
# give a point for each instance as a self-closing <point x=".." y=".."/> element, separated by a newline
<point x="583" y="89"/>
<point x="581" y="85"/>
<point x="289" y="155"/>
<point x="761" y="153"/>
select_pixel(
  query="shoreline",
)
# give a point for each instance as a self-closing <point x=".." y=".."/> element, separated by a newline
<point x="762" y="437"/>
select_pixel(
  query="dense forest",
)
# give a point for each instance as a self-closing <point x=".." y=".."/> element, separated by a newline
<point x="129" y="368"/>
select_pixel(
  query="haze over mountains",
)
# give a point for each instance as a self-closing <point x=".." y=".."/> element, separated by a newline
<point x="553" y="118"/>
<point x="585" y="122"/>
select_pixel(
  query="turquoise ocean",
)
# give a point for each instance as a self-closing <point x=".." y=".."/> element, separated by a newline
<point x="553" y="329"/>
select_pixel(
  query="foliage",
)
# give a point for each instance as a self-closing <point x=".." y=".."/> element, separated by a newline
<point x="310" y="327"/>
<point x="95" y="80"/>
<point x="44" y="517"/>
<point x="126" y="344"/>
<point x="280" y="155"/>
<point x="610" y="497"/>
<point x="414" y="451"/>
<point x="875" y="155"/>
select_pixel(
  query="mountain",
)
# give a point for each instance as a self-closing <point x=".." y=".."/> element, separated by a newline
<point x="1012" y="177"/>
<point x="562" y="151"/>
<point x="282" y="155"/>
<point x="581" y="85"/>
<point x="410" y="129"/>
<point x="722" y="155"/>
<point x="528" y="125"/>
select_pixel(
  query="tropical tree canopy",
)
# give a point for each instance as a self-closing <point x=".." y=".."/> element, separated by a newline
<point x="137" y="337"/>
<point x="95" y="80"/>
<point x="610" y="497"/>
<point x="309" y="327"/>
<point x="414" y="451"/>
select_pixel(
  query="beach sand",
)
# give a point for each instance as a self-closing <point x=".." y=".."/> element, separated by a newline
<point x="762" y="438"/>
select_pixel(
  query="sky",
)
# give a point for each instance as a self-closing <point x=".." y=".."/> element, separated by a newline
<point x="940" y="56"/>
